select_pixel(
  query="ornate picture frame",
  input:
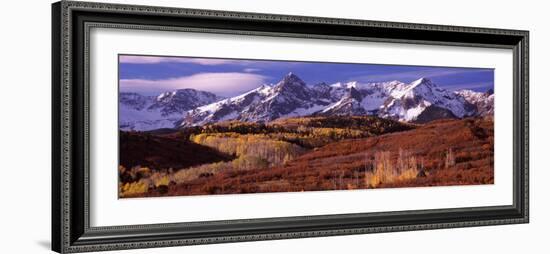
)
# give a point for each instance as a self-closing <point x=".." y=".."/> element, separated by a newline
<point x="71" y="228"/>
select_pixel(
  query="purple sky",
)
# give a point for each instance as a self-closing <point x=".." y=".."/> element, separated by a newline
<point x="229" y="77"/>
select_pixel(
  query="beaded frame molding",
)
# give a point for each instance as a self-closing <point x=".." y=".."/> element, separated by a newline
<point x="71" y="23"/>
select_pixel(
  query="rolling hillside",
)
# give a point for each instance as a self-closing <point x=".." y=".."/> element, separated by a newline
<point x="139" y="149"/>
<point x="444" y="152"/>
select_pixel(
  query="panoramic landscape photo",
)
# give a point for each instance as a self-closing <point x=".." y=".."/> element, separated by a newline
<point x="206" y="126"/>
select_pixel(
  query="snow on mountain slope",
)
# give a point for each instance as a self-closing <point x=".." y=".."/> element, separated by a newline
<point x="181" y="100"/>
<point x="408" y="102"/>
<point x="350" y="104"/>
<point x="418" y="101"/>
<point x="484" y="102"/>
<point x="288" y="98"/>
<point x="140" y="112"/>
<point x="222" y="110"/>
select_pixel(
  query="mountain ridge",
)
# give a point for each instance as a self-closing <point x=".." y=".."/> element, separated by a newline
<point x="292" y="97"/>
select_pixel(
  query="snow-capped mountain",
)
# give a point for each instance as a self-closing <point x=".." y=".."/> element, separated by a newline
<point x="361" y="99"/>
<point x="350" y="104"/>
<point x="140" y="112"/>
<point x="484" y="102"/>
<point x="408" y="103"/>
<point x="418" y="101"/>
<point x="182" y="100"/>
<point x="289" y="97"/>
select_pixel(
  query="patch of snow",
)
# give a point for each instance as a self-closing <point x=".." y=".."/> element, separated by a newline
<point x="304" y="111"/>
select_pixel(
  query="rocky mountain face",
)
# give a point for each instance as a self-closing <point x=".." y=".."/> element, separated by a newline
<point x="289" y="97"/>
<point x="182" y="100"/>
<point x="483" y="102"/>
<point x="140" y="112"/>
<point x="419" y="101"/>
<point x="408" y="103"/>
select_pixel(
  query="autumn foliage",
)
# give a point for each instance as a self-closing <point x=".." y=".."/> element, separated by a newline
<point x="316" y="153"/>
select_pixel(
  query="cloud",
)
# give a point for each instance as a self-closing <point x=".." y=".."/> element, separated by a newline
<point x="162" y="59"/>
<point x="224" y="83"/>
<point x="254" y="64"/>
<point x="413" y="75"/>
<point x="251" y="70"/>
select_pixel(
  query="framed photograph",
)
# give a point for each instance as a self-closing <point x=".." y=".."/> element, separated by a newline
<point x="181" y="126"/>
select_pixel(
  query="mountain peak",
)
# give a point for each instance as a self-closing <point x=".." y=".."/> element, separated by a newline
<point x="183" y="93"/>
<point x="290" y="83"/>
<point x="422" y="81"/>
<point x="322" y="84"/>
<point x="292" y="78"/>
<point x="353" y="93"/>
